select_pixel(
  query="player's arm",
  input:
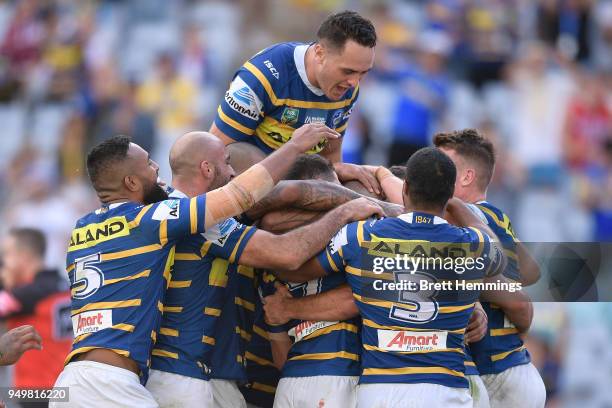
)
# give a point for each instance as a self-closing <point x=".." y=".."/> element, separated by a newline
<point x="529" y="269"/>
<point x="391" y="185"/>
<point x="289" y="251"/>
<point x="222" y="136"/>
<point x="516" y="305"/>
<point x="280" y="343"/>
<point x="478" y="324"/>
<point x="282" y="221"/>
<point x="313" y="195"/>
<point x="332" y="305"/>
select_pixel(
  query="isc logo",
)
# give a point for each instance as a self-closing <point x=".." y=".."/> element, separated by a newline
<point x="273" y="70"/>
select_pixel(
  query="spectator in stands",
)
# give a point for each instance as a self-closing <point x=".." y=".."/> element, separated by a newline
<point x="39" y="298"/>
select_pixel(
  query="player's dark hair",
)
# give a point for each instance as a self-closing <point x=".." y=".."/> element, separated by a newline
<point x="398" y="171"/>
<point x="31" y="239"/>
<point x="338" y="28"/>
<point x="105" y="155"/>
<point x="471" y="145"/>
<point x="430" y="175"/>
<point x="310" y="167"/>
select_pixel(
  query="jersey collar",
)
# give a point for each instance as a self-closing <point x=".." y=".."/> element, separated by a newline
<point x="106" y="207"/>
<point x="299" y="56"/>
<point x="175" y="193"/>
<point x="410" y="218"/>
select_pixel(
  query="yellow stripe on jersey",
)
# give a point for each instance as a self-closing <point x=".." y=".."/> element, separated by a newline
<point x="259" y="360"/>
<point x="502" y="223"/>
<point x="130" y="252"/>
<point x="183" y="256"/>
<point x="179" y="284"/>
<point x="236" y="125"/>
<point x="454" y="309"/>
<point x="369" y="274"/>
<point x="292" y="102"/>
<point x="501" y="356"/>
<point x="387" y="304"/>
<point x="193" y="215"/>
<point x="470" y="363"/>
<point x="173" y="309"/>
<point x="261" y="332"/>
<point x="331" y="262"/>
<point x="81" y="350"/>
<point x="239" y="358"/>
<point x="243" y="333"/>
<point x="503" y="332"/>
<point x="70" y="268"/>
<point x="447" y="350"/>
<point x="480" y="240"/>
<point x="370" y="323"/>
<point x="247" y="271"/>
<point x="208" y="340"/>
<point x="166" y="331"/>
<point x="205" y="248"/>
<point x="329" y="329"/>
<point x="232" y="257"/>
<point x="360" y="232"/>
<point x="107" y="305"/>
<point x="342" y="128"/>
<point x="168" y="267"/>
<point x="411" y="370"/>
<point x="263" y="387"/>
<point x="96" y="233"/>
<point x="143" y="274"/>
<point x="154" y="336"/>
<point x="211" y="311"/>
<point x="218" y="273"/>
<point x="119" y="326"/>
<point x="136" y="221"/>
<point x="327" y="356"/>
<point x="164" y="353"/>
<point x="244" y="303"/>
<point x="163" y="232"/>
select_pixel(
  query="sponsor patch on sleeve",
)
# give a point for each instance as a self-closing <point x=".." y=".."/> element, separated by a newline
<point x="167" y="210"/>
<point x="339" y="240"/>
<point x="218" y="234"/>
<point x="242" y="99"/>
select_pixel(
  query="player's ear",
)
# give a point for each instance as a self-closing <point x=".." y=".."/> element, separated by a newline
<point x="468" y="177"/>
<point x="207" y="170"/>
<point x="319" y="52"/>
<point x="132" y="183"/>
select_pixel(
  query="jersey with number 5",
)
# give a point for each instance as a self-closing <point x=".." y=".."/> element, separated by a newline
<point x="119" y="263"/>
<point x="413" y="326"/>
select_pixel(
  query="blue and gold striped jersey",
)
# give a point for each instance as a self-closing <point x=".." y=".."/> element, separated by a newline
<point x="412" y="333"/>
<point x="195" y="297"/>
<point x="262" y="375"/>
<point x="322" y="348"/>
<point x="234" y="328"/>
<point x="119" y="263"/>
<point x="270" y="96"/>
<point x="502" y="347"/>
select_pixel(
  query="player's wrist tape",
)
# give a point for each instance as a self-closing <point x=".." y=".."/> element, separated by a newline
<point x="238" y="195"/>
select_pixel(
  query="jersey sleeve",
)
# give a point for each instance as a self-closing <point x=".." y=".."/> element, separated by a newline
<point x="176" y="218"/>
<point x="488" y="251"/>
<point x="333" y="257"/>
<point x="245" y="103"/>
<point x="228" y="239"/>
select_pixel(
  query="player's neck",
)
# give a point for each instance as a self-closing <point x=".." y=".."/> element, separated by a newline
<point x="474" y="196"/>
<point x="431" y="211"/>
<point x="309" y="64"/>
<point x="187" y="188"/>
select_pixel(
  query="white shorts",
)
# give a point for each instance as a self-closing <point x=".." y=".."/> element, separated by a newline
<point x="92" y="385"/>
<point x="478" y="391"/>
<point x="327" y="391"/>
<point x="227" y="394"/>
<point x="175" y="390"/>
<point x="412" y="396"/>
<point x="519" y="386"/>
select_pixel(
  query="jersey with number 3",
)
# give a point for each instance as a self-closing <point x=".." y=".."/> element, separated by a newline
<point x="412" y="333"/>
<point x="119" y="263"/>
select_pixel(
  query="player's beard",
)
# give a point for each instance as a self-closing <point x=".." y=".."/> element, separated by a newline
<point x="154" y="194"/>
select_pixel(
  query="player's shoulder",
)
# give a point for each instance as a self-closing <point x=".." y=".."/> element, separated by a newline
<point x="497" y="219"/>
<point x="276" y="63"/>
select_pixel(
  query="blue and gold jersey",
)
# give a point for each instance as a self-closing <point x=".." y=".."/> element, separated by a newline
<point x="502" y="347"/>
<point x="119" y="263"/>
<point x="413" y="331"/>
<point x="234" y="328"/>
<point x="195" y="298"/>
<point x="270" y="96"/>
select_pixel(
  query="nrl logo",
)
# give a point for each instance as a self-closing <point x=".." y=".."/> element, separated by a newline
<point x="290" y="116"/>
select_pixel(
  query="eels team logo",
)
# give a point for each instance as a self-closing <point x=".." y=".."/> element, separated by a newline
<point x="290" y="116"/>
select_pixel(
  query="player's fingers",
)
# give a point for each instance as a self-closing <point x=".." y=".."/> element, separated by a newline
<point x="368" y="180"/>
<point x="29" y="345"/>
<point x="282" y="289"/>
<point x="30" y="336"/>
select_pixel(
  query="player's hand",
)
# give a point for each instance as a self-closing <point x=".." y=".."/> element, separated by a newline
<point x="478" y="325"/>
<point x="311" y="134"/>
<point x="391" y="209"/>
<point x="16" y="342"/>
<point x="275" y="306"/>
<point x="363" y="174"/>
<point x="360" y="209"/>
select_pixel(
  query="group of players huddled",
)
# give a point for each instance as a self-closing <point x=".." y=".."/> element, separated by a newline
<point x="248" y="281"/>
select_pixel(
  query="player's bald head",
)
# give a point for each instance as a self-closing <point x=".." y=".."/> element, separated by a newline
<point x="193" y="148"/>
<point x="244" y="155"/>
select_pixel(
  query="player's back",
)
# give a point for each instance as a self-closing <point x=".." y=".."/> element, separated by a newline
<point x="412" y="333"/>
<point x="119" y="262"/>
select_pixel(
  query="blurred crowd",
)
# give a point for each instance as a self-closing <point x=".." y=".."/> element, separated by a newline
<point x="534" y="75"/>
